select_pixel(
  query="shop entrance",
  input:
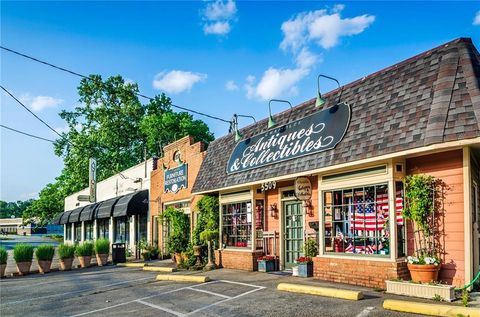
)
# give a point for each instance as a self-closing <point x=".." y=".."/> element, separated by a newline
<point x="476" y="228"/>
<point x="293" y="231"/>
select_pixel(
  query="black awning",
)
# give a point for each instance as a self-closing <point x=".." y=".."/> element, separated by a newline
<point x="105" y="208"/>
<point x="56" y="219"/>
<point x="75" y="215"/>
<point x="88" y="212"/>
<point x="65" y="217"/>
<point x="132" y="204"/>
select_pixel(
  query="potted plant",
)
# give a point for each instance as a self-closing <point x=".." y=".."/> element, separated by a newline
<point x="305" y="263"/>
<point x="266" y="263"/>
<point x="419" y="208"/>
<point x="23" y="254"/>
<point x="44" y="254"/>
<point x="102" y="250"/>
<point x="154" y="251"/>
<point x="66" y="254"/>
<point x="3" y="261"/>
<point x="209" y="235"/>
<point x="84" y="253"/>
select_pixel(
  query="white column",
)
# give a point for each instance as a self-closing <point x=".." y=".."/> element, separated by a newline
<point x="95" y="229"/>
<point x="110" y="230"/>
<point x="132" y="230"/>
<point x="82" y="232"/>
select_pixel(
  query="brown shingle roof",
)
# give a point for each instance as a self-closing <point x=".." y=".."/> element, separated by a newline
<point x="433" y="97"/>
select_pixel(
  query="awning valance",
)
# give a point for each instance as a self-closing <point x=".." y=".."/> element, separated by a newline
<point x="75" y="215"/>
<point x="132" y="204"/>
<point x="105" y="208"/>
<point x="65" y="217"/>
<point x="56" y="219"/>
<point x="88" y="212"/>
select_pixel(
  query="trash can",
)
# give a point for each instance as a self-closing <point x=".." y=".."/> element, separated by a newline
<point x="118" y="253"/>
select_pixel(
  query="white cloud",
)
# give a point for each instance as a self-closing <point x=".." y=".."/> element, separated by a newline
<point x="231" y="85"/>
<point x="218" y="16"/>
<point x="322" y="27"/>
<point x="39" y="103"/>
<point x="177" y="81"/>
<point x="219" y="28"/>
<point x="476" y="20"/>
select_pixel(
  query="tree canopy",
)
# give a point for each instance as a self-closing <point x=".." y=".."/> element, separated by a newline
<point x="114" y="127"/>
<point x="14" y="208"/>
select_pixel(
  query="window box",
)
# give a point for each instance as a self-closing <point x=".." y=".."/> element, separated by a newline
<point x="305" y="269"/>
<point x="446" y="292"/>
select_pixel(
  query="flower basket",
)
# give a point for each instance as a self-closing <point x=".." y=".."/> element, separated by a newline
<point x="423" y="272"/>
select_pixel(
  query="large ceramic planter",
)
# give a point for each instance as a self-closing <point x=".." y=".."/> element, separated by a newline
<point x="3" y="267"/>
<point x="266" y="266"/>
<point x="66" y="264"/>
<point x="84" y="261"/>
<point x="423" y="272"/>
<point x="305" y="269"/>
<point x="44" y="266"/>
<point x="102" y="259"/>
<point x="23" y="267"/>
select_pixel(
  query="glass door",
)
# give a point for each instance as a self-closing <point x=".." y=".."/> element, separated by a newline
<point x="293" y="230"/>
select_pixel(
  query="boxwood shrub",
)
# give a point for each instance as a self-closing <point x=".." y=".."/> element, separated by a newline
<point x="45" y="252"/>
<point x="23" y="253"/>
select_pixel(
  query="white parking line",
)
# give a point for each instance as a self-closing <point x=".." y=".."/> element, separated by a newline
<point x="161" y="308"/>
<point x="208" y="292"/>
<point x="365" y="312"/>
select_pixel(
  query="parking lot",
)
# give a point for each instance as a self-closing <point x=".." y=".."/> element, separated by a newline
<point x="120" y="291"/>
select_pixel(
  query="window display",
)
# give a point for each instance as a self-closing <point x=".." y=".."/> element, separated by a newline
<point x="237" y="224"/>
<point x="88" y="230"/>
<point x="102" y="228"/>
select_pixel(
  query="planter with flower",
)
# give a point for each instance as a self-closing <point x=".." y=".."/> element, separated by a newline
<point x="304" y="266"/>
<point x="420" y="194"/>
<point x="266" y="263"/>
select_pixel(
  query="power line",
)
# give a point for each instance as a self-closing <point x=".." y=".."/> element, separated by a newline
<point x="25" y="133"/>
<point x="83" y="76"/>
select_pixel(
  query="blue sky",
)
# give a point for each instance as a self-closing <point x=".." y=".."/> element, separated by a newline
<point x="220" y="57"/>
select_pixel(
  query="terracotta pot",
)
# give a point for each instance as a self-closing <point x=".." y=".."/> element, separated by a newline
<point x="23" y="267"/>
<point x="66" y="264"/>
<point x="178" y="258"/>
<point x="197" y="250"/>
<point x="102" y="259"/>
<point x="44" y="266"/>
<point x="423" y="272"/>
<point x="3" y="267"/>
<point x="84" y="261"/>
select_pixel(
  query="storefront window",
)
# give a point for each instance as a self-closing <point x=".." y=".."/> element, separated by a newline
<point x="356" y="220"/>
<point x="401" y="229"/>
<point x="77" y="228"/>
<point x="122" y="229"/>
<point x="68" y="231"/>
<point x="237" y="224"/>
<point x="103" y="228"/>
<point x="88" y="230"/>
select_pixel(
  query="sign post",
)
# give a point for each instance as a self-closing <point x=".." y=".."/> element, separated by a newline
<point x="92" y="179"/>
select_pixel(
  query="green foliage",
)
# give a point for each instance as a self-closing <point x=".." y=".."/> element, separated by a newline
<point x="84" y="249"/>
<point x="50" y="202"/>
<point x="208" y="215"/>
<point x="465" y="297"/>
<point x="179" y="229"/>
<point x="102" y="246"/>
<point x="66" y="251"/>
<point x="419" y="190"/>
<point x="310" y="248"/>
<point x="209" y="235"/>
<point x="45" y="252"/>
<point x="23" y="253"/>
<point x="56" y="237"/>
<point x="438" y="298"/>
<point x="15" y="209"/>
<point x="3" y="255"/>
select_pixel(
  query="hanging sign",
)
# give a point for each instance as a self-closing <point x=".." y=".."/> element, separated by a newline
<point x="92" y="180"/>
<point x="303" y="188"/>
<point x="315" y="133"/>
<point x="176" y="178"/>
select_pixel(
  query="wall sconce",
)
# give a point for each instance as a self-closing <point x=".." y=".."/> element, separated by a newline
<point x="320" y="100"/>
<point x="234" y="127"/>
<point x="164" y="167"/>
<point x="273" y="210"/>
<point x="272" y="122"/>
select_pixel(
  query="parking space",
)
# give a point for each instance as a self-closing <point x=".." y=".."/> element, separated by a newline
<point x="115" y="291"/>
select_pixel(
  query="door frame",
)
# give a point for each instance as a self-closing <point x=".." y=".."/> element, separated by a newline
<point x="281" y="213"/>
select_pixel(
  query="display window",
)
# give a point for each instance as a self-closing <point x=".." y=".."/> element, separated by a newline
<point x="103" y="228"/>
<point x="88" y="233"/>
<point x="68" y="231"/>
<point x="77" y="231"/>
<point x="237" y="224"/>
<point x="122" y="229"/>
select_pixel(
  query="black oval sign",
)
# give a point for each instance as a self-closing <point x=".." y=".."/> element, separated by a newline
<point x="315" y="133"/>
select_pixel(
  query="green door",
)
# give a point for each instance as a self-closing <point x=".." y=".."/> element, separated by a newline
<point x="293" y="229"/>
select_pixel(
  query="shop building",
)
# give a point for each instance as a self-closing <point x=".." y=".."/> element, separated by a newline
<point x="171" y="183"/>
<point x="120" y="213"/>
<point x="347" y="160"/>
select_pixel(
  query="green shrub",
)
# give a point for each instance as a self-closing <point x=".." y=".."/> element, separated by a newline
<point x="310" y="248"/>
<point x="45" y="252"/>
<point x="3" y="256"/>
<point x="66" y="251"/>
<point x="102" y="246"/>
<point x="23" y="253"/>
<point x="84" y="249"/>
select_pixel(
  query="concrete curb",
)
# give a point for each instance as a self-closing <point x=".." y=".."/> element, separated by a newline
<point x="159" y="269"/>
<point x="429" y="308"/>
<point x="320" y="291"/>
<point x="183" y="278"/>
<point x="131" y="264"/>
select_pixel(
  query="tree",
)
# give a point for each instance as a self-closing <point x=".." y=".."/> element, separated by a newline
<point x="48" y="204"/>
<point x="15" y="209"/>
<point x="114" y="127"/>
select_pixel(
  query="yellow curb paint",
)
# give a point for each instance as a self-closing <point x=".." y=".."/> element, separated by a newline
<point x="430" y="308"/>
<point x="320" y="291"/>
<point x="159" y="269"/>
<point x="183" y="278"/>
<point x="131" y="264"/>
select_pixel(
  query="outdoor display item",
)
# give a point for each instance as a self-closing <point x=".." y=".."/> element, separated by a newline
<point x="305" y="266"/>
<point x="3" y="261"/>
<point x="266" y="263"/>
<point x="23" y="254"/>
<point x="84" y="253"/>
<point x="44" y="254"/>
<point x="102" y="250"/>
<point x="66" y="254"/>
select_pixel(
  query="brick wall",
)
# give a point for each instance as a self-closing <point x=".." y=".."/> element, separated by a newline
<point x="240" y="260"/>
<point x="359" y="272"/>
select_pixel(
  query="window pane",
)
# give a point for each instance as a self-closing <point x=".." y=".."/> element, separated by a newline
<point x="237" y="224"/>
<point x="401" y="230"/>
